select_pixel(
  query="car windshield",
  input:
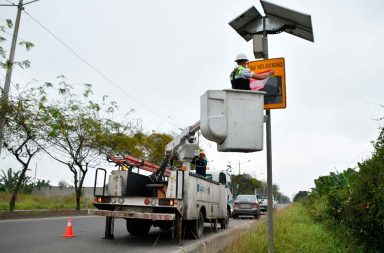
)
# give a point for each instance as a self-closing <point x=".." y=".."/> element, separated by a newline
<point x="246" y="198"/>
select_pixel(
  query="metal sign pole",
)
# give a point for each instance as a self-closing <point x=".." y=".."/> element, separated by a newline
<point x="269" y="182"/>
<point x="269" y="154"/>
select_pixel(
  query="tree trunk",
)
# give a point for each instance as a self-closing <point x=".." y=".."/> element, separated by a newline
<point x="79" y="188"/>
<point x="12" y="203"/>
<point x="78" y="196"/>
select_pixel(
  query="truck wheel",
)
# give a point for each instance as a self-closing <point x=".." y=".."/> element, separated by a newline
<point x="197" y="226"/>
<point x="224" y="222"/>
<point x="178" y="230"/>
<point x="214" y="224"/>
<point x="138" y="227"/>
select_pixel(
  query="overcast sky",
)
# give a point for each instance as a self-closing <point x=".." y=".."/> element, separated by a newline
<point x="159" y="57"/>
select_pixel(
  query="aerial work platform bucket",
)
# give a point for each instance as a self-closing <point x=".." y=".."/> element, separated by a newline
<point x="233" y="119"/>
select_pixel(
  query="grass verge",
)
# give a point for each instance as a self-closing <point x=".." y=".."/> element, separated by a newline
<point x="36" y="202"/>
<point x="294" y="231"/>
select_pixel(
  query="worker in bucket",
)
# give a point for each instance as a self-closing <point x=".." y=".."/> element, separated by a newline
<point x="200" y="163"/>
<point x="241" y="76"/>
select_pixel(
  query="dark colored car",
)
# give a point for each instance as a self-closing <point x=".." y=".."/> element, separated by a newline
<point x="246" y="205"/>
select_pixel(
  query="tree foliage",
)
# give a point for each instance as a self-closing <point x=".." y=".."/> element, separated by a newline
<point x="149" y="147"/>
<point x="153" y="146"/>
<point x="9" y="179"/>
<point x="23" y="124"/>
<point x="301" y="195"/>
<point x="27" y="44"/>
<point x="74" y="127"/>
<point x="245" y="184"/>
<point x="354" y="199"/>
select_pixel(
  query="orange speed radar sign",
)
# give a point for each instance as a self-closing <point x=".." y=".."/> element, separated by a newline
<point x="275" y="86"/>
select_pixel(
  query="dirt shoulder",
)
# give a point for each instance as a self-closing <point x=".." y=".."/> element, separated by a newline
<point x="30" y="214"/>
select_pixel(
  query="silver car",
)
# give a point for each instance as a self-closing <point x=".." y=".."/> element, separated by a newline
<point x="263" y="202"/>
<point x="246" y="205"/>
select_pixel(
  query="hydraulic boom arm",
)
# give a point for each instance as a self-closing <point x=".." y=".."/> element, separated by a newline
<point x="172" y="148"/>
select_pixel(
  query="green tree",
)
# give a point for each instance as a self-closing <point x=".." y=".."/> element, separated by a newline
<point x="247" y="184"/>
<point x="23" y="124"/>
<point x="300" y="195"/>
<point x="153" y="146"/>
<point x="366" y="206"/>
<point x="282" y="199"/>
<point x="8" y="180"/>
<point x="149" y="147"/>
<point x="28" y="46"/>
<point x="76" y="126"/>
<point x="7" y="64"/>
<point x="118" y="142"/>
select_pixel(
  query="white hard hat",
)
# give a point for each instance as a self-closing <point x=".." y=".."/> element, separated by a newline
<point x="241" y="57"/>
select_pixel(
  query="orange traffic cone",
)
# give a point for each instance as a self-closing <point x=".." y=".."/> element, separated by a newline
<point x="68" y="230"/>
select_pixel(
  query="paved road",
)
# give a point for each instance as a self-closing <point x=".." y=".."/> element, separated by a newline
<point x="45" y="235"/>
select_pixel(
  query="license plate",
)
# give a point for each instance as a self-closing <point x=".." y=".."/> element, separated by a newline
<point x="245" y="206"/>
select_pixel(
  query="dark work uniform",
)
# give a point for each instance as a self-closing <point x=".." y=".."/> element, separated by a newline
<point x="240" y="78"/>
<point x="201" y="165"/>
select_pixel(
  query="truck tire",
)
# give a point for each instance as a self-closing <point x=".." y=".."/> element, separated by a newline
<point x="197" y="226"/>
<point x="138" y="227"/>
<point x="224" y="222"/>
<point x="214" y="224"/>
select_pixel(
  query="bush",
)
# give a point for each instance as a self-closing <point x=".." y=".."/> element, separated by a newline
<point x="317" y="207"/>
<point x="366" y="215"/>
<point x="9" y="180"/>
<point x="301" y="195"/>
<point x="354" y="200"/>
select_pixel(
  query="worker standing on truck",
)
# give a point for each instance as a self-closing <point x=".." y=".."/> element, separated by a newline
<point x="200" y="163"/>
<point x="241" y="75"/>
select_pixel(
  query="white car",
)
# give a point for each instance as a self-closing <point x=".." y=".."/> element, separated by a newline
<point x="263" y="200"/>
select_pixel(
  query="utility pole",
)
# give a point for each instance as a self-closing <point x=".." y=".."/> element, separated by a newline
<point x="4" y="97"/>
<point x="240" y="163"/>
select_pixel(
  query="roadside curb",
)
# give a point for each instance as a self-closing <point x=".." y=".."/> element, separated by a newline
<point x="219" y="241"/>
<point x="30" y="214"/>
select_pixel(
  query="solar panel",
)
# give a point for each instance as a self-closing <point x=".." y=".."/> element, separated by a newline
<point x="297" y="23"/>
<point x="242" y="23"/>
<point x="277" y="20"/>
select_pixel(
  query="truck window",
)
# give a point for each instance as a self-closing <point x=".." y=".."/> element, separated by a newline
<point x="222" y="178"/>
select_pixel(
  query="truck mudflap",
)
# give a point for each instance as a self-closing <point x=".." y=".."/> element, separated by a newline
<point x="133" y="215"/>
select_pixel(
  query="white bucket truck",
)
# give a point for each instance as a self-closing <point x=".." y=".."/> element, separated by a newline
<point x="176" y="197"/>
<point x="168" y="198"/>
